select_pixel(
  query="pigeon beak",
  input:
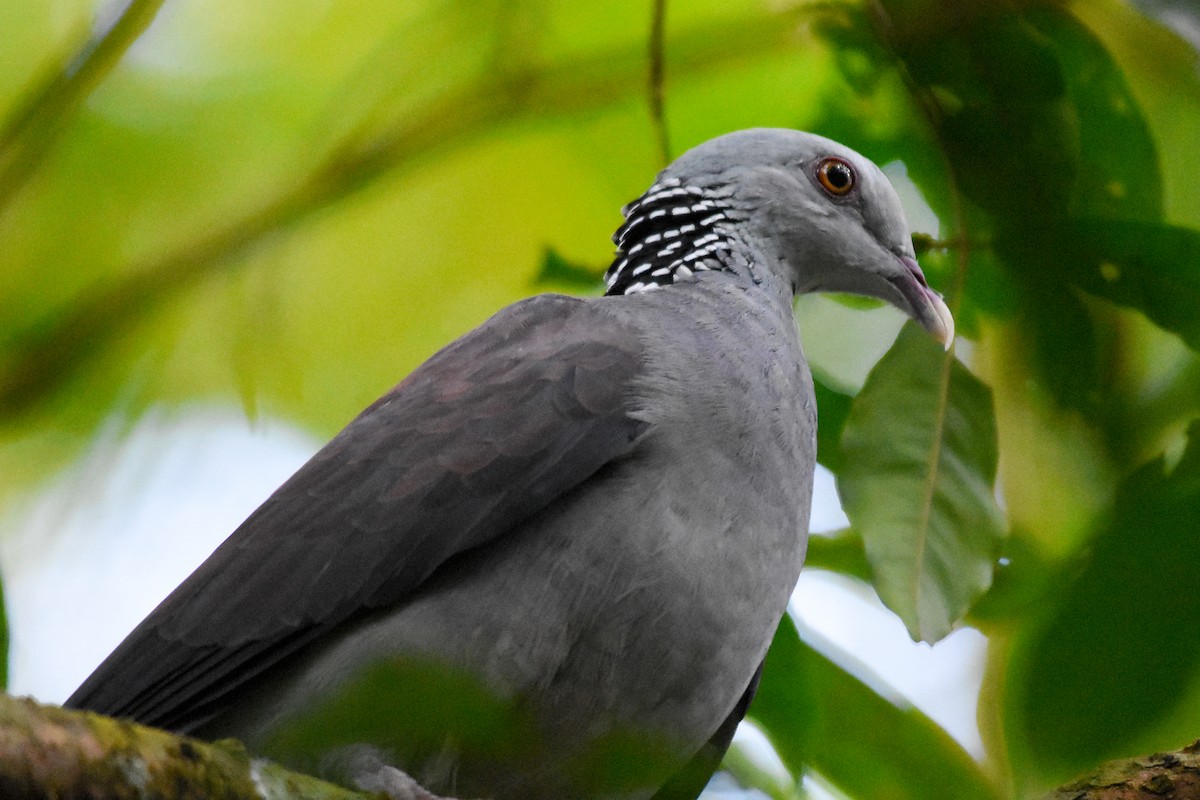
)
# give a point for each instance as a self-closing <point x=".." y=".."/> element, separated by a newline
<point x="928" y="308"/>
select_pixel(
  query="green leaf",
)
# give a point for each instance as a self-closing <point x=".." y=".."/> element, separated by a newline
<point x="1121" y="651"/>
<point x="741" y="764"/>
<point x="821" y="718"/>
<point x="1149" y="266"/>
<point x="1117" y="175"/>
<point x="832" y="409"/>
<point x="855" y="301"/>
<point x="840" y="552"/>
<point x="919" y="460"/>
<point x="331" y="245"/>
<point x="1037" y="122"/>
<point x="556" y="270"/>
<point x="998" y="96"/>
<point x="26" y="132"/>
<point x="1055" y="328"/>
<point x="1119" y="172"/>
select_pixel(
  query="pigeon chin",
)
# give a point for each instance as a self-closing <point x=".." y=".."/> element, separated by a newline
<point x="926" y="305"/>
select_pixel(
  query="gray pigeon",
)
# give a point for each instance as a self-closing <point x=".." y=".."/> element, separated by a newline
<point x="548" y="563"/>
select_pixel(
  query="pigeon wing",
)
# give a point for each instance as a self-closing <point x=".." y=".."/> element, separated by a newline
<point x="489" y="431"/>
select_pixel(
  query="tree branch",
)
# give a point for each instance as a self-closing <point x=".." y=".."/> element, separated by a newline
<point x="51" y="752"/>
<point x="657" y="77"/>
<point x="1161" y="776"/>
<point x="46" y="751"/>
<point x="28" y="135"/>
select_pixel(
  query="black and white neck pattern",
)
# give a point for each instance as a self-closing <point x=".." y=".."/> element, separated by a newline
<point x="670" y="233"/>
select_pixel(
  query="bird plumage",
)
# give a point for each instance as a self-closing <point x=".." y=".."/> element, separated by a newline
<point x="580" y="522"/>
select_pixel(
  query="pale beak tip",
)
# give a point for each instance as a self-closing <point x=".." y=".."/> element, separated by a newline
<point x="927" y="306"/>
<point x="941" y="323"/>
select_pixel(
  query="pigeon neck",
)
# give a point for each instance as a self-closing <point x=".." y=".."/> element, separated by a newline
<point x="670" y="233"/>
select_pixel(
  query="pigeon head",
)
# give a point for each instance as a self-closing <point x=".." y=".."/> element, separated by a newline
<point x="779" y="205"/>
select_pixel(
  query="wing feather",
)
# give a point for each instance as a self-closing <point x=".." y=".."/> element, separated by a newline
<point x="487" y="432"/>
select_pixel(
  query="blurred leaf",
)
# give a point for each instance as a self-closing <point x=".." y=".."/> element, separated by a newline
<point x="1055" y="328"/>
<point x="1149" y="266"/>
<point x="1118" y="175"/>
<point x="36" y="37"/>
<point x="231" y="216"/>
<point x="995" y="90"/>
<point x="919" y="459"/>
<point x="832" y="408"/>
<point x="27" y="131"/>
<point x="1118" y="172"/>
<point x="1022" y="577"/>
<point x="821" y="718"/>
<point x="841" y="552"/>
<point x="1159" y="65"/>
<point x="740" y="763"/>
<point x="1121" y="648"/>
<point x="410" y="707"/>
<point x="558" y="271"/>
<point x="1037" y="122"/>
<point x="989" y="291"/>
<point x="856" y="301"/>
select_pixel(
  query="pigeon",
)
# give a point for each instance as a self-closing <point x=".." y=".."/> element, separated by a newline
<point x="550" y="561"/>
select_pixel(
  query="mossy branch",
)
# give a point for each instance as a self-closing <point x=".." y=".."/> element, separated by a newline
<point x="47" y="752"/>
<point x="1161" y="776"/>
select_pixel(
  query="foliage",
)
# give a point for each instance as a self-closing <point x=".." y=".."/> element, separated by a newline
<point x="920" y="462"/>
<point x="289" y="205"/>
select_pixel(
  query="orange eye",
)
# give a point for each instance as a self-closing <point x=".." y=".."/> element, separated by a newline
<point x="836" y="176"/>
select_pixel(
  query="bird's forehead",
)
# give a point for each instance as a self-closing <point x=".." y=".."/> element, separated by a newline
<point x="735" y="153"/>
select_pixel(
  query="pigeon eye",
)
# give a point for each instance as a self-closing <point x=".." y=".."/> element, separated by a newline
<point x="835" y="176"/>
